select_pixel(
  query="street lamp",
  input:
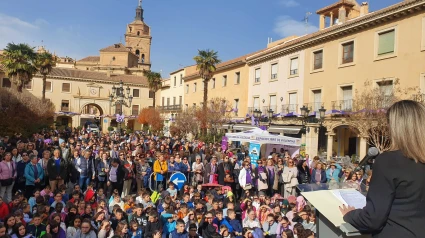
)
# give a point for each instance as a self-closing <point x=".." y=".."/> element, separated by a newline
<point x="118" y="99"/>
<point x="270" y="112"/>
<point x="304" y="115"/>
<point x="257" y="113"/>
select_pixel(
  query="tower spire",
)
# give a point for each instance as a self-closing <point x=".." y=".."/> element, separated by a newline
<point x="139" y="12"/>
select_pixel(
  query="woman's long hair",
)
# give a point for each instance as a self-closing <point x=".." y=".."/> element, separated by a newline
<point x="405" y="122"/>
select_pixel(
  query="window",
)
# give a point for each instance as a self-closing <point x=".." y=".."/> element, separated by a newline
<point x="272" y="103"/>
<point x="28" y="86"/>
<point x="151" y="94"/>
<point x="294" y="66"/>
<point x="163" y="101"/>
<point x="194" y="105"/>
<point x="48" y="86"/>
<point x="168" y="102"/>
<point x="274" y="71"/>
<point x="136" y="93"/>
<point x="194" y="87"/>
<point x="175" y="81"/>
<point x="181" y="79"/>
<point x="135" y="110"/>
<point x="6" y="83"/>
<point x="257" y="103"/>
<point x="180" y="100"/>
<point x="187" y="88"/>
<point x="386" y="89"/>
<point x="318" y="59"/>
<point x="236" y="104"/>
<point x="213" y="83"/>
<point x="317" y="100"/>
<point x="65" y="105"/>
<point x="293" y="106"/>
<point x="186" y="106"/>
<point x="386" y="42"/>
<point x="257" y="75"/>
<point x="237" y="77"/>
<point x="347" y="98"/>
<point x="348" y="52"/>
<point x="174" y="100"/>
<point x="66" y="87"/>
<point x="224" y="80"/>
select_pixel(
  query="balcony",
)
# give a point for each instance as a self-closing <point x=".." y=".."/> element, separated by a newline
<point x="289" y="108"/>
<point x="343" y="105"/>
<point x="267" y="108"/>
<point x="170" y="108"/>
<point x="135" y="112"/>
<point x="65" y="108"/>
<point x="314" y="106"/>
<point x="252" y="109"/>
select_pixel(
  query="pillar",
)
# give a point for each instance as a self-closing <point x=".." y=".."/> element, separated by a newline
<point x="329" y="150"/>
<point x="332" y="19"/>
<point x="312" y="140"/>
<point x="322" y="22"/>
<point x="363" y="146"/>
<point x="106" y="122"/>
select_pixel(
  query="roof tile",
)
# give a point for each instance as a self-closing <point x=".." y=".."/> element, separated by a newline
<point x="85" y="74"/>
<point x="90" y="59"/>
<point x="116" y="48"/>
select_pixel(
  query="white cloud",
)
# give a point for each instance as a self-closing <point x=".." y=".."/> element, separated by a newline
<point x="286" y="26"/>
<point x="289" y="3"/>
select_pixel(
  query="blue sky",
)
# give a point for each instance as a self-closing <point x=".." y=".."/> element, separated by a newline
<point x="234" y="28"/>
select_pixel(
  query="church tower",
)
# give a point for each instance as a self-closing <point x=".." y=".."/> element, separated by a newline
<point x="138" y="38"/>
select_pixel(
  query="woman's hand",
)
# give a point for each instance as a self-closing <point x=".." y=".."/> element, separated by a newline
<point x="344" y="210"/>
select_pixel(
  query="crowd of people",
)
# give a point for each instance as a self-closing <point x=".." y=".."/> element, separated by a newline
<point x="74" y="184"/>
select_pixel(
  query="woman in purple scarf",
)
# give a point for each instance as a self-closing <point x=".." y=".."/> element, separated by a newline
<point x="273" y="177"/>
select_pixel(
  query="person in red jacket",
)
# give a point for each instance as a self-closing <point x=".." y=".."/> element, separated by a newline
<point x="4" y="209"/>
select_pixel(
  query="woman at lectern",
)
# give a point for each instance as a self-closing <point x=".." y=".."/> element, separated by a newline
<point x="395" y="204"/>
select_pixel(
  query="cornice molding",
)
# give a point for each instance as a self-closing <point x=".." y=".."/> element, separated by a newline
<point x="219" y="70"/>
<point x="91" y="80"/>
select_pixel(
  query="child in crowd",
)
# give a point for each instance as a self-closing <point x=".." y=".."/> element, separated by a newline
<point x="32" y="200"/>
<point x="172" y="190"/>
<point x="46" y="191"/>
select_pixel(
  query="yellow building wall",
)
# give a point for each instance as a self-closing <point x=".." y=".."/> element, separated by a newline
<point x="407" y="65"/>
<point x="231" y="91"/>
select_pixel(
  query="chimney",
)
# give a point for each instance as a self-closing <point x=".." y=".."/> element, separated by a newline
<point x="342" y="15"/>
<point x="364" y="8"/>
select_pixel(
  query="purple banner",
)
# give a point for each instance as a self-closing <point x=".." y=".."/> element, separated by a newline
<point x="224" y="143"/>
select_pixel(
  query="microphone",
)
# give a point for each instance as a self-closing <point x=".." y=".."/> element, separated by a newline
<point x="372" y="153"/>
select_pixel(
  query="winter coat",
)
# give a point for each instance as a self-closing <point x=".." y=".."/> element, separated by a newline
<point x="52" y="171"/>
<point x="6" y="172"/>
<point x="322" y="179"/>
<point x="29" y="174"/>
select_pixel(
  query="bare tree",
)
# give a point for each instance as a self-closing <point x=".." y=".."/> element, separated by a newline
<point x="369" y="109"/>
<point x="185" y="123"/>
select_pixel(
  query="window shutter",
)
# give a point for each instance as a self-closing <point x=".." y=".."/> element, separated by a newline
<point x="386" y="42"/>
<point x="274" y="69"/>
<point x="294" y="63"/>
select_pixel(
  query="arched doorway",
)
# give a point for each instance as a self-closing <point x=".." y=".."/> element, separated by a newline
<point x="345" y="140"/>
<point x="90" y="113"/>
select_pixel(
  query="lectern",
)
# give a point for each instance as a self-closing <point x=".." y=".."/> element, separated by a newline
<point x="330" y="222"/>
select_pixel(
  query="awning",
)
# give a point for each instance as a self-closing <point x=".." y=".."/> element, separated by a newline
<point x="291" y="130"/>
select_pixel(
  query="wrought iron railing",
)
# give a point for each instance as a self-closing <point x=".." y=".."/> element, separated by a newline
<point x="288" y="108"/>
<point x="343" y="105"/>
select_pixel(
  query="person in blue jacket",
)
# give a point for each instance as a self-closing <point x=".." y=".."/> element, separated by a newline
<point x="333" y="172"/>
<point x="318" y="175"/>
<point x="219" y="220"/>
<point x="235" y="224"/>
<point x="34" y="175"/>
<point x="180" y="231"/>
<point x="135" y="230"/>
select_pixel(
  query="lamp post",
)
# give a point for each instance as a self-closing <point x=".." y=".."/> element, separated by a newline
<point x="118" y="99"/>
<point x="305" y="118"/>
<point x="270" y="112"/>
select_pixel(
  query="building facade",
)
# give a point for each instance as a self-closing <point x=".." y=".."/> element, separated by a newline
<point x="276" y="87"/>
<point x="230" y="81"/>
<point x="80" y="89"/>
<point x="356" y="46"/>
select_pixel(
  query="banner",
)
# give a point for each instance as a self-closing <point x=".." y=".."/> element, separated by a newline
<point x="292" y="150"/>
<point x="254" y="152"/>
<point x="224" y="143"/>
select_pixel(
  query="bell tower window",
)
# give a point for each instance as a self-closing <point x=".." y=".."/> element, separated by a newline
<point x="143" y="58"/>
<point x="138" y="33"/>
<point x="130" y="29"/>
<point x="137" y="52"/>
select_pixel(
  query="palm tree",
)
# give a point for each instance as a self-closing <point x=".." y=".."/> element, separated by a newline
<point x="18" y="59"/>
<point x="45" y="63"/>
<point x="206" y="62"/>
<point x="154" y="82"/>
